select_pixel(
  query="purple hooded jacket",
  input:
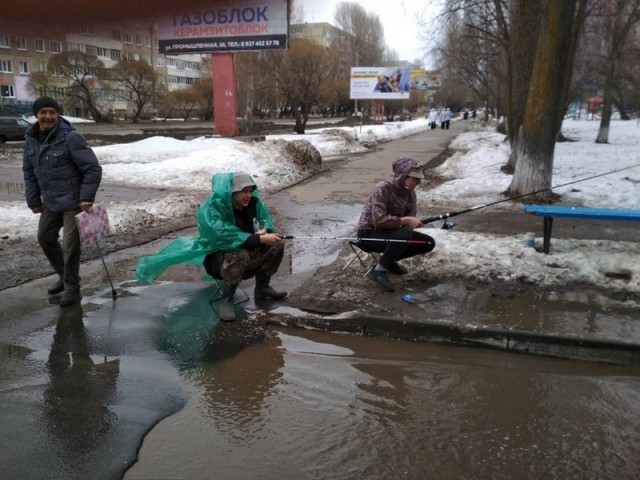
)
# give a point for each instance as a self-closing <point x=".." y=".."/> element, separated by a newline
<point x="390" y="199"/>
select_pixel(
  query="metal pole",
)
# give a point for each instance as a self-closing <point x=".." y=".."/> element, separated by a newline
<point x="114" y="294"/>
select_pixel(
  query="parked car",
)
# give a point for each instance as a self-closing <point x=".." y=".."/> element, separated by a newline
<point x="13" y="128"/>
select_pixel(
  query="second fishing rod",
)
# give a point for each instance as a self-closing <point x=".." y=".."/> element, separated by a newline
<point x="444" y="216"/>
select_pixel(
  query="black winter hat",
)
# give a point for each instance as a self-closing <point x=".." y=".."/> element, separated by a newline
<point x="45" y="102"/>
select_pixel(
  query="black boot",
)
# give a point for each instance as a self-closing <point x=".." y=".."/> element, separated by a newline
<point x="263" y="290"/>
<point x="56" y="288"/>
<point x="227" y="310"/>
<point x="70" y="297"/>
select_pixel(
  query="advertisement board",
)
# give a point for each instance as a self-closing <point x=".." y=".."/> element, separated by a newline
<point x="238" y="26"/>
<point x="379" y="83"/>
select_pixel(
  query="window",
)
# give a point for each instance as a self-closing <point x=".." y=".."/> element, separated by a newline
<point x="5" y="66"/>
<point x="102" y="52"/>
<point x="21" y="43"/>
<point x="7" y="91"/>
<point x="55" y="47"/>
<point x="23" y="67"/>
<point x="39" y="45"/>
<point x="115" y="35"/>
<point x="138" y="40"/>
<point x="89" y="50"/>
<point x="41" y="67"/>
<point x="116" y="55"/>
<point x="4" y="41"/>
<point x="126" y="38"/>
<point x="87" y="30"/>
<point x="180" y="80"/>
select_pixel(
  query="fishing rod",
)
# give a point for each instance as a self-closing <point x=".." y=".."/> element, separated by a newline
<point x="353" y="239"/>
<point x="444" y="216"/>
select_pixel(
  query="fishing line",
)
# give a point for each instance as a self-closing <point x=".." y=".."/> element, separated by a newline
<point x="477" y="207"/>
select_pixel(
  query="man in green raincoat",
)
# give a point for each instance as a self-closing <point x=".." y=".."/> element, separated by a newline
<point x="237" y="240"/>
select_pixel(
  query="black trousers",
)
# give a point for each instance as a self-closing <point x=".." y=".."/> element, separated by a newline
<point x="410" y="243"/>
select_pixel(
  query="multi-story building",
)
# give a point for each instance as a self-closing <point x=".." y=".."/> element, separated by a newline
<point x="25" y="49"/>
<point x="323" y="34"/>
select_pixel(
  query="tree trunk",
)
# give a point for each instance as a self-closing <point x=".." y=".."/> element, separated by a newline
<point x="525" y="25"/>
<point x="299" y="128"/>
<point x="621" y="29"/>
<point x="541" y="124"/>
<point x="605" y="120"/>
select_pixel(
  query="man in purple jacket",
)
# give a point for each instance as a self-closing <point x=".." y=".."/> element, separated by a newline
<point x="389" y="213"/>
<point x="61" y="176"/>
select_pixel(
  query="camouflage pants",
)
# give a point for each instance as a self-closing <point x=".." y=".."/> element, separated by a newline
<point x="233" y="267"/>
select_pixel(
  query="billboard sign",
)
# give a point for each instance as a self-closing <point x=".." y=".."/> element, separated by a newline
<point x="379" y="83"/>
<point x="239" y="26"/>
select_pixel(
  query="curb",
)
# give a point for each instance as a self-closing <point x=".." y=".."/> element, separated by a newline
<point x="491" y="337"/>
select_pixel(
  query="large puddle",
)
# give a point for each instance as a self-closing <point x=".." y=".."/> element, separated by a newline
<point x="316" y="405"/>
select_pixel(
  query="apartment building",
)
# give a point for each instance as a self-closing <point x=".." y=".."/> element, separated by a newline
<point x="26" y="48"/>
<point x="323" y="33"/>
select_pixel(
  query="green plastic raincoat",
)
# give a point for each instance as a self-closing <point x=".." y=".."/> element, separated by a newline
<point x="216" y="227"/>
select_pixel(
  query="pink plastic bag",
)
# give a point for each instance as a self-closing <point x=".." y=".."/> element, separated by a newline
<point x="93" y="225"/>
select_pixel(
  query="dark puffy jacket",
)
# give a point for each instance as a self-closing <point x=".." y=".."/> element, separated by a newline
<point x="61" y="172"/>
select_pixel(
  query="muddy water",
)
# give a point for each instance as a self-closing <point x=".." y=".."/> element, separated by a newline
<point x="316" y="405"/>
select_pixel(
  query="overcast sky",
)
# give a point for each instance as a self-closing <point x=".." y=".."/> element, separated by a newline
<point x="399" y="19"/>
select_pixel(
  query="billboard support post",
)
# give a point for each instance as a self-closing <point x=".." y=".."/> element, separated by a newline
<point x="223" y="74"/>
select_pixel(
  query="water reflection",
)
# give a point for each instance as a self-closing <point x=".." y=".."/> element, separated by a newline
<point x="192" y="333"/>
<point x="315" y="405"/>
<point x="76" y="415"/>
<point x="236" y="390"/>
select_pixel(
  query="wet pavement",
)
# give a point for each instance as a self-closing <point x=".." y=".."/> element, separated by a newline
<point x="83" y="386"/>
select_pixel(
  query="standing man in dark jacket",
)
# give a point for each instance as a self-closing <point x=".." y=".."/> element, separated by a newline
<point x="62" y="176"/>
<point x="389" y="213"/>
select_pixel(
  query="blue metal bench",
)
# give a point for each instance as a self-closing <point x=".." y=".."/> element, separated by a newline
<point x="548" y="212"/>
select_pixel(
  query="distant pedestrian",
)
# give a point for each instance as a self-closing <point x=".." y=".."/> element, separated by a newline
<point x="433" y="118"/>
<point x="465" y="115"/>
<point x="445" y="119"/>
<point x="61" y="175"/>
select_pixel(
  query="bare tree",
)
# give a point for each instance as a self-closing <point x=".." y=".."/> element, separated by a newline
<point x="136" y="79"/>
<point x="203" y="89"/>
<point x="184" y="101"/>
<point x="303" y="75"/>
<point x="364" y="34"/>
<point x="81" y="72"/>
<point x="621" y="18"/>
<point x="472" y="56"/>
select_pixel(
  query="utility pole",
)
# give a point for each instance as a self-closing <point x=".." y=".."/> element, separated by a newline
<point x="153" y="67"/>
